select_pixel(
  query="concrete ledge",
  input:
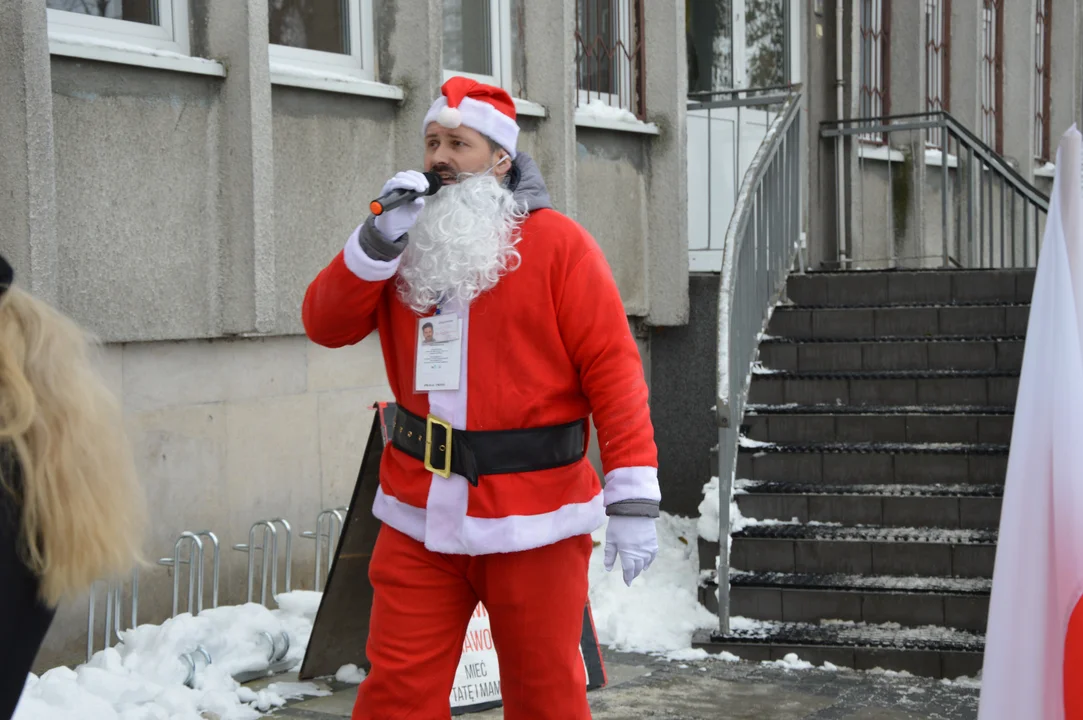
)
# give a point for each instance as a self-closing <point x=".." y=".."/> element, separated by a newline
<point x="286" y="74"/>
<point x="91" y="48"/>
<point x="530" y="109"/>
<point x="583" y="119"/>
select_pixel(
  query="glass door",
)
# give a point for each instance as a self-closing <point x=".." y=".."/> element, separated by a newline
<point x="732" y="45"/>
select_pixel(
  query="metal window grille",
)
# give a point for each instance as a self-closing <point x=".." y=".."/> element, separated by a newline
<point x="992" y="73"/>
<point x="1042" y="85"/>
<point x="609" y="54"/>
<point x="875" y="100"/>
<point x="937" y="61"/>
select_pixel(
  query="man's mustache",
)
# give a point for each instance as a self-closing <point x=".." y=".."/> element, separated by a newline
<point x="444" y="169"/>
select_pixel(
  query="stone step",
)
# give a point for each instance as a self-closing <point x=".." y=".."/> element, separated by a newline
<point x="822" y="425"/>
<point x="935" y="652"/>
<point x="961" y="603"/>
<point x="820" y="549"/>
<point x="903" y="286"/>
<point x="901" y="387"/>
<point x="892" y="354"/>
<point x="873" y="463"/>
<point x="993" y="320"/>
<point x="943" y="506"/>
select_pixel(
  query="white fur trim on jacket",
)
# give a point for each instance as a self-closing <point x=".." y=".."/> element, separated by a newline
<point x="364" y="267"/>
<point x="632" y="483"/>
<point x="485" y="536"/>
<point x="480" y="116"/>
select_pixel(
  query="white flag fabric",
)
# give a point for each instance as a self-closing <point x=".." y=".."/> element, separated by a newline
<point x="1035" y="629"/>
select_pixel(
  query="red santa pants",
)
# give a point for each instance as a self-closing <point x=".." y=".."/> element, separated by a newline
<point x="422" y="606"/>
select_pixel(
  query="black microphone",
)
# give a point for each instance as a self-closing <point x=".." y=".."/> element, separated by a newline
<point x="402" y="196"/>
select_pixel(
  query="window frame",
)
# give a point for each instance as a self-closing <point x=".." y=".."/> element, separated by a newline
<point x="1043" y="99"/>
<point x="937" y="56"/>
<point x="359" y="64"/>
<point x="874" y="57"/>
<point x="629" y="36"/>
<point x="991" y="74"/>
<point x="500" y="34"/>
<point x="170" y="36"/>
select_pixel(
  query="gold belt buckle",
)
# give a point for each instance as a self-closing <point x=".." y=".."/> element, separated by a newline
<point x="445" y="471"/>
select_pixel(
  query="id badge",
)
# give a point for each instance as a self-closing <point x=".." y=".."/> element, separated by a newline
<point x="439" y="353"/>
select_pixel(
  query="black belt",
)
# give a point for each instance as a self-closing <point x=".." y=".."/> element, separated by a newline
<point x="486" y="452"/>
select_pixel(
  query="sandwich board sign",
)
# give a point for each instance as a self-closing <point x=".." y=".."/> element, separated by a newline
<point x="477" y="681"/>
<point x="341" y="628"/>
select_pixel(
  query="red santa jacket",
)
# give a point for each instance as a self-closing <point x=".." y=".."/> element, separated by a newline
<point x="548" y="345"/>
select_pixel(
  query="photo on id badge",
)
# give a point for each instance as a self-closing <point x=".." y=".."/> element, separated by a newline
<point x="438" y="353"/>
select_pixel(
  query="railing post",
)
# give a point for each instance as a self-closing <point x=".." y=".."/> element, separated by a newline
<point x="944" y="147"/>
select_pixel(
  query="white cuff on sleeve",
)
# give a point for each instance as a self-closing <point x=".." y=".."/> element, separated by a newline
<point x="632" y="483"/>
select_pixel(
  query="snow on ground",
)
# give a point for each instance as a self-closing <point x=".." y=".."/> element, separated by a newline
<point x="143" y="677"/>
<point x="661" y="610"/>
<point x="350" y="674"/>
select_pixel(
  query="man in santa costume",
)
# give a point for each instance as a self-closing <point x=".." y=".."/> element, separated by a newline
<point x="485" y="490"/>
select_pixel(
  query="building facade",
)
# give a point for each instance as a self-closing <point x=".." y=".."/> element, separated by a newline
<point x="174" y="172"/>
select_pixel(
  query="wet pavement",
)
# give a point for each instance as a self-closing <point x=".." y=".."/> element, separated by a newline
<point x="647" y="687"/>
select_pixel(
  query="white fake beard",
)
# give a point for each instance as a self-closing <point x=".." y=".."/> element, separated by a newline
<point x="462" y="244"/>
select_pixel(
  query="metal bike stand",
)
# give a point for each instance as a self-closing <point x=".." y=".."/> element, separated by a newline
<point x="113" y="612"/>
<point x="325" y="530"/>
<point x="194" y="542"/>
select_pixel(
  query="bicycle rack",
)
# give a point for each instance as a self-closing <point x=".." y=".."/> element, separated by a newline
<point x="194" y="541"/>
<point x="113" y="596"/>
<point x="325" y="524"/>
<point x="267" y="561"/>
<point x="189" y="659"/>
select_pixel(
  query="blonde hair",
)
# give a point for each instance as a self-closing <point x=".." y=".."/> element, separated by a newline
<point x="82" y="512"/>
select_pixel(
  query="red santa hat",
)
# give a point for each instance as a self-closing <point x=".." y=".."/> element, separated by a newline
<point x="487" y="109"/>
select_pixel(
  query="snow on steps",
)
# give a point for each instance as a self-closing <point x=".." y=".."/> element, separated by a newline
<point x="930" y="651"/>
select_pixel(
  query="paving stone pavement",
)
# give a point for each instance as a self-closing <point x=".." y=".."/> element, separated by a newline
<point x="643" y="687"/>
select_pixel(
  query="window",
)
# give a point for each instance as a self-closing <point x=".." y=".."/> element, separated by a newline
<point x="765" y="45"/>
<point x="154" y="24"/>
<point x="324" y="37"/>
<point x="1043" y="80"/>
<point x="483" y="39"/>
<point x="992" y="74"/>
<point x="609" y="54"/>
<point x="937" y="61"/>
<point x="875" y="101"/>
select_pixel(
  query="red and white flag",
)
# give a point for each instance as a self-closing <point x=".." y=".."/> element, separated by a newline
<point x="1034" y="643"/>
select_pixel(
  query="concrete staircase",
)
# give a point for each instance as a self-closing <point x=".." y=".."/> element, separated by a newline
<point x="876" y="438"/>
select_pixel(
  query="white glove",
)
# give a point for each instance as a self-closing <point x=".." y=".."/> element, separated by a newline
<point x="637" y="542"/>
<point x="394" y="223"/>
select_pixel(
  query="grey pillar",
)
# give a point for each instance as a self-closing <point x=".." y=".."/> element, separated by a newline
<point x="1019" y="80"/>
<point x="819" y="71"/>
<point x="27" y="160"/>
<point x="906" y="83"/>
<point x="414" y="30"/>
<point x="550" y="80"/>
<point x="667" y="210"/>
<point x="238" y="35"/>
<point x="965" y="68"/>
<point x="1066" y="70"/>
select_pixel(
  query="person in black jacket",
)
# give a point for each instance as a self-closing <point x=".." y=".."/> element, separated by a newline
<point x="70" y="504"/>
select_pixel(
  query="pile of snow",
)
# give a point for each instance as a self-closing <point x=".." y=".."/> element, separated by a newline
<point x="143" y="677"/>
<point x="707" y="524"/>
<point x="350" y="674"/>
<point x="791" y="662"/>
<point x="601" y="110"/>
<point x="660" y="611"/>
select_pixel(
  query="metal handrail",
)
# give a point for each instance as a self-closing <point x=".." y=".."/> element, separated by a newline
<point x="935" y="120"/>
<point x="978" y="213"/>
<point x="761" y="244"/>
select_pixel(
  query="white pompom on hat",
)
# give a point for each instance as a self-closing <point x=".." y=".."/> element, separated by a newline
<point x="485" y="108"/>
